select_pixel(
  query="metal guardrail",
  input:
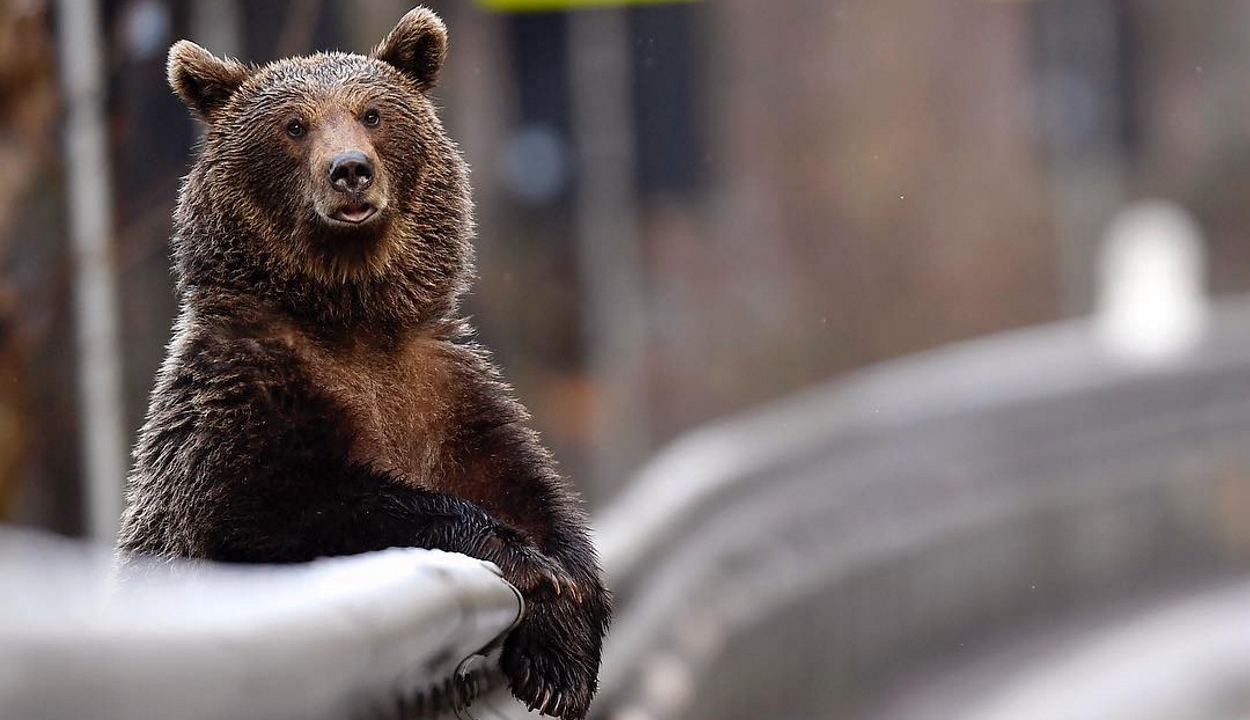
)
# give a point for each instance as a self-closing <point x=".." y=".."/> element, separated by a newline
<point x="1187" y="659"/>
<point x="398" y="633"/>
<point x="783" y="563"/>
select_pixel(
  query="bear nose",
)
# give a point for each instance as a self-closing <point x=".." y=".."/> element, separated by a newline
<point x="351" y="172"/>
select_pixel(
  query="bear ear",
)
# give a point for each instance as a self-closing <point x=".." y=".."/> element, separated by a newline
<point x="204" y="81"/>
<point x="416" y="47"/>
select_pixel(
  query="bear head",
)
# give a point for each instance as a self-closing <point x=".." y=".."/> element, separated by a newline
<point x="325" y="184"/>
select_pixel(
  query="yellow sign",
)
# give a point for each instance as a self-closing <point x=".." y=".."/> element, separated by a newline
<point x="534" y="5"/>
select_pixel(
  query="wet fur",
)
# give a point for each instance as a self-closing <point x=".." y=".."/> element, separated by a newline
<point x="321" y="395"/>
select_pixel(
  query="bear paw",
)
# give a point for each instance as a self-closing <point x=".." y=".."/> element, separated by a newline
<point x="545" y="676"/>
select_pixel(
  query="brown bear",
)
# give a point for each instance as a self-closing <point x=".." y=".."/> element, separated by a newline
<point x="322" y="395"/>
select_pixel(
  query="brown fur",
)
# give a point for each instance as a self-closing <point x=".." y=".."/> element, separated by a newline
<point x="321" y="396"/>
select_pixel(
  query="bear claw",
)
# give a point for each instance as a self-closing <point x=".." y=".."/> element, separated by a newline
<point x="523" y="565"/>
<point x="536" y="576"/>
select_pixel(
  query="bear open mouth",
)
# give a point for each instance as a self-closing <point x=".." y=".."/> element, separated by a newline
<point x="355" y="213"/>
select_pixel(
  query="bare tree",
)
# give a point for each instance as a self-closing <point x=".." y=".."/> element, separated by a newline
<point x="95" y="285"/>
<point x="27" y="104"/>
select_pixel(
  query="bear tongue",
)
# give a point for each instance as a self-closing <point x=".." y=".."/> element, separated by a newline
<point x="355" y="212"/>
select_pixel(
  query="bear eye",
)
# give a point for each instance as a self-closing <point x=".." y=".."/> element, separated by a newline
<point x="295" y="129"/>
<point x="371" y="118"/>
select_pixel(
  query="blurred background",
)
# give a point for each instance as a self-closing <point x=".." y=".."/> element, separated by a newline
<point x="690" y="210"/>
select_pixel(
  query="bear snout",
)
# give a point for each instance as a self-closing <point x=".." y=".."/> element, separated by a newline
<point x="351" y="172"/>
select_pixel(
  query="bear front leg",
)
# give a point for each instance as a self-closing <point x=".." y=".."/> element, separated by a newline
<point x="422" y="518"/>
<point x="552" y="657"/>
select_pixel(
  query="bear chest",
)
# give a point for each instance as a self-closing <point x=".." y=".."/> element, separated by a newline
<point x="395" y="405"/>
